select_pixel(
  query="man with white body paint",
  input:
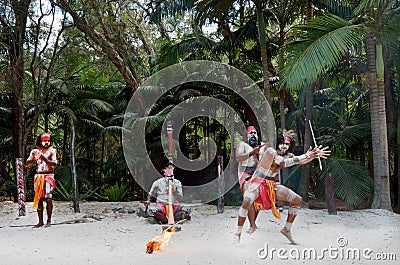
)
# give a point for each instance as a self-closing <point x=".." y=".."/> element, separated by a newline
<point x="262" y="191"/>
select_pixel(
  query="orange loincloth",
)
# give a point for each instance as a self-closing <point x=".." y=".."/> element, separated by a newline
<point x="40" y="180"/>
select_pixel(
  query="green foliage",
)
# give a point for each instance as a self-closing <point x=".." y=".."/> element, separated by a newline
<point x="116" y="193"/>
<point x="65" y="189"/>
<point x="64" y="193"/>
<point x="352" y="182"/>
<point x="325" y="40"/>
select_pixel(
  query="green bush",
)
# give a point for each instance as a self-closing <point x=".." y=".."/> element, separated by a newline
<point x="116" y="193"/>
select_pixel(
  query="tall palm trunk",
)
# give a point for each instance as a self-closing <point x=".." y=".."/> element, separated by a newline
<point x="385" y="202"/>
<point x="264" y="58"/>
<point x="263" y="46"/>
<point x="381" y="197"/>
<point x="375" y="125"/>
<point x="306" y="169"/>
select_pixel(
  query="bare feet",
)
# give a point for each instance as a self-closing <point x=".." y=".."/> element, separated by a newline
<point x="288" y="235"/>
<point x="48" y="225"/>
<point x="38" y="225"/>
<point x="252" y="229"/>
<point x="236" y="239"/>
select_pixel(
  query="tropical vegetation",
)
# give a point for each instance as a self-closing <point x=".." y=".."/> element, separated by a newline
<point x="76" y="65"/>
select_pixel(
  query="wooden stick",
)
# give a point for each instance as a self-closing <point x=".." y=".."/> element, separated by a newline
<point x="315" y="143"/>
<point x="170" y="216"/>
<point x="173" y="225"/>
<point x="20" y="187"/>
<point x="171" y="219"/>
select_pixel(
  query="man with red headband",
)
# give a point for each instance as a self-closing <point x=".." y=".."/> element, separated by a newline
<point x="45" y="157"/>
<point x="159" y="190"/>
<point x="248" y="154"/>
<point x="262" y="191"/>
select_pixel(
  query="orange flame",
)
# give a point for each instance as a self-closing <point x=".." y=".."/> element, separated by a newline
<point x="159" y="241"/>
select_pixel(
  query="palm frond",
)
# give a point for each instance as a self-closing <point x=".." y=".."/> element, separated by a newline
<point x="114" y="130"/>
<point x="188" y="93"/>
<point x="351" y="135"/>
<point x="338" y="8"/>
<point x="92" y="123"/>
<point x="191" y="44"/>
<point x="326" y="40"/>
<point x="68" y="111"/>
<point x="5" y="111"/>
<point x="247" y="32"/>
<point x="100" y="104"/>
<point x="352" y="182"/>
<point x="169" y="8"/>
<point x="212" y="10"/>
<point x="365" y="4"/>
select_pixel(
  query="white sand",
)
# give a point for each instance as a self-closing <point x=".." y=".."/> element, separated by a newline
<point x="120" y="238"/>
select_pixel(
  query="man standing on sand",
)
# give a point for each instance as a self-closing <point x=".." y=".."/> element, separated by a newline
<point x="248" y="154"/>
<point x="45" y="157"/>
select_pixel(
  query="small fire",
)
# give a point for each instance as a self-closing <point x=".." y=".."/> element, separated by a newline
<point x="159" y="241"/>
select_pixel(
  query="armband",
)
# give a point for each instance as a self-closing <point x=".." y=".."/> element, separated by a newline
<point x="304" y="156"/>
<point x="289" y="162"/>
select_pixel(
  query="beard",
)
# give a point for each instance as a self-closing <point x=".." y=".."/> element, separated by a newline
<point x="45" y="146"/>
<point x="252" y="141"/>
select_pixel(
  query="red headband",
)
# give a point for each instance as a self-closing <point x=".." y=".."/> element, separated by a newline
<point x="250" y="128"/>
<point x="45" y="137"/>
<point x="286" y="139"/>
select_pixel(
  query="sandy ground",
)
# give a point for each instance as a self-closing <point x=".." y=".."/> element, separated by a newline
<point x="99" y="235"/>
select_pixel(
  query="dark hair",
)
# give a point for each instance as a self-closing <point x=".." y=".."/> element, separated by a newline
<point x="281" y="140"/>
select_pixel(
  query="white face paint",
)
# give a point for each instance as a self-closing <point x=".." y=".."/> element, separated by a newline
<point x="252" y="138"/>
<point x="283" y="148"/>
<point x="46" y="144"/>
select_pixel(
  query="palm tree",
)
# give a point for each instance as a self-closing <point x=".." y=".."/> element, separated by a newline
<point x="331" y="37"/>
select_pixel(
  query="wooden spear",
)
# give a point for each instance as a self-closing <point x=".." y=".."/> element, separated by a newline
<point x="315" y="143"/>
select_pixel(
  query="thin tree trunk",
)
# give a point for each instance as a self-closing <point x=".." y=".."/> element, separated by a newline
<point x="282" y="108"/>
<point x="263" y="47"/>
<point x="73" y="171"/>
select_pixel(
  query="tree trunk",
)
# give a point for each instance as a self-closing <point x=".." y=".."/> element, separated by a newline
<point x="117" y="57"/>
<point x="385" y="202"/>
<point x="375" y="125"/>
<point x="330" y="195"/>
<point x="16" y="55"/>
<point x="73" y="171"/>
<point x="263" y="46"/>
<point x="282" y="108"/>
<point x="306" y="169"/>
